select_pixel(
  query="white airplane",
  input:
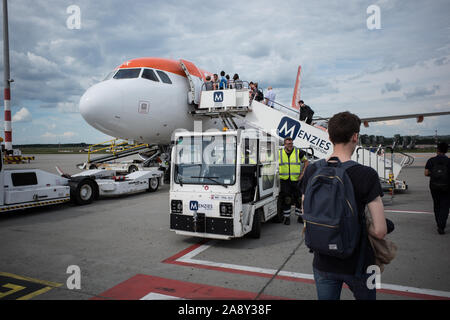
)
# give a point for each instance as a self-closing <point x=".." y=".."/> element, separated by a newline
<point x="146" y="99"/>
<point x="143" y="100"/>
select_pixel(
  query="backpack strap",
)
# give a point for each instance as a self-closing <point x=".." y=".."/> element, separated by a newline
<point x="359" y="272"/>
<point x="344" y="165"/>
<point x="321" y="163"/>
<point x="348" y="164"/>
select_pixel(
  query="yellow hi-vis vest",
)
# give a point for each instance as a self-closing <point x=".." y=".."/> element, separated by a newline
<point x="290" y="167"/>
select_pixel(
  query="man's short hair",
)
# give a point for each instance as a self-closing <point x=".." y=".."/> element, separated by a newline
<point x="287" y="139"/>
<point x="442" y="147"/>
<point x="300" y="101"/>
<point x="222" y="73"/>
<point x="342" y="126"/>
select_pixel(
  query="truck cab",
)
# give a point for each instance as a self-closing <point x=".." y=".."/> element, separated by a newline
<point x="223" y="185"/>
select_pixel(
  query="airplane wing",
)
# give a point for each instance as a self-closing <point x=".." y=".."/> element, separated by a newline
<point x="418" y="116"/>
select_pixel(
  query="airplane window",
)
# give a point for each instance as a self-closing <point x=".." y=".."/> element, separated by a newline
<point x="164" y="77"/>
<point x="150" y="75"/>
<point x="127" y="73"/>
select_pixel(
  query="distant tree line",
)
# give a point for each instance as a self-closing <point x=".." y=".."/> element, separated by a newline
<point x="53" y="145"/>
<point x="405" y="142"/>
<point x="366" y="140"/>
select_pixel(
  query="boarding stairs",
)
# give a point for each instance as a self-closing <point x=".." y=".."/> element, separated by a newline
<point x="236" y="110"/>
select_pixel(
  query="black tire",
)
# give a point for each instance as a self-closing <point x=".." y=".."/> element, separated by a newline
<point x="153" y="184"/>
<point x="84" y="192"/>
<point x="132" y="168"/>
<point x="279" y="217"/>
<point x="256" y="225"/>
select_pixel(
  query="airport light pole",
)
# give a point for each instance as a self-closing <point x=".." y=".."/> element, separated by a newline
<point x="7" y="81"/>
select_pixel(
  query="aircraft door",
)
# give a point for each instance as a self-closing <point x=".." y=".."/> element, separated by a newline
<point x="195" y="79"/>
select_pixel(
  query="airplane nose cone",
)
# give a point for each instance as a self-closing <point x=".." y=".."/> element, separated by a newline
<point x="100" y="105"/>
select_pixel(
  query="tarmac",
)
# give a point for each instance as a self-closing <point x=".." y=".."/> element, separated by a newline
<point x="123" y="249"/>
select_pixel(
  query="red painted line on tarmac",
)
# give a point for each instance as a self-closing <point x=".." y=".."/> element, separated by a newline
<point x="174" y="260"/>
<point x="141" y="285"/>
<point x="412" y="294"/>
<point x="182" y="253"/>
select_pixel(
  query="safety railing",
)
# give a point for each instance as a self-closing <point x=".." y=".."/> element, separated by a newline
<point x="377" y="155"/>
<point x="241" y="85"/>
<point x="407" y="160"/>
<point x="113" y="147"/>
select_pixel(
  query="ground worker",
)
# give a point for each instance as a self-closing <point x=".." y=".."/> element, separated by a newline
<point x="292" y="165"/>
<point x="438" y="169"/>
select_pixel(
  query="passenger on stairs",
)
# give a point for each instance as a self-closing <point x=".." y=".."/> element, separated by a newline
<point x="237" y="82"/>
<point x="270" y="97"/>
<point x="306" y="113"/>
<point x="223" y="81"/>
<point x="209" y="85"/>
<point x="216" y="81"/>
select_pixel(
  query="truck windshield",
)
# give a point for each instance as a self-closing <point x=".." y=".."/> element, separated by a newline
<point x="205" y="160"/>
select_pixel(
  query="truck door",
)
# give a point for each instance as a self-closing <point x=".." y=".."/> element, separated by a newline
<point x="268" y="166"/>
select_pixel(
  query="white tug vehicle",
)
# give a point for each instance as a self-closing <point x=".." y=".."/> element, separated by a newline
<point x="27" y="188"/>
<point x="223" y="184"/>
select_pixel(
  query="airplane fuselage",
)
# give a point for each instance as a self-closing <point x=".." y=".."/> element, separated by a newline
<point x="143" y="100"/>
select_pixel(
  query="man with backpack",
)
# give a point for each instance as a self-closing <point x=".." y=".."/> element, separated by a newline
<point x="335" y="194"/>
<point x="438" y="169"/>
<point x="259" y="96"/>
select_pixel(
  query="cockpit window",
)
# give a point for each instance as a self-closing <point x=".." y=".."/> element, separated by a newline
<point x="127" y="73"/>
<point x="164" y="77"/>
<point x="109" y="76"/>
<point x="150" y="75"/>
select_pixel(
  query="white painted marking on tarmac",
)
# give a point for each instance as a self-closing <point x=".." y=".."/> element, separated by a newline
<point x="408" y="211"/>
<point x="158" y="296"/>
<point x="189" y="258"/>
<point x="428" y="292"/>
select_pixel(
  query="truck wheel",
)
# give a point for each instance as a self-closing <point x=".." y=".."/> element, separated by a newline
<point x="256" y="225"/>
<point x="85" y="192"/>
<point x="153" y="184"/>
<point x="279" y="216"/>
<point x="132" y="168"/>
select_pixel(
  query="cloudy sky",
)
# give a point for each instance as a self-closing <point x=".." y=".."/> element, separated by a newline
<point x="403" y="67"/>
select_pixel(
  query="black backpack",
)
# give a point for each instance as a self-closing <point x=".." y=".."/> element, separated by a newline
<point x="259" y="96"/>
<point x="439" y="175"/>
<point x="330" y="211"/>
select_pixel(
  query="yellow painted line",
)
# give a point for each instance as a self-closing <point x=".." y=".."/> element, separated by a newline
<point x="47" y="283"/>
<point x="14" y="288"/>
<point x="36" y="293"/>
<point x="38" y="204"/>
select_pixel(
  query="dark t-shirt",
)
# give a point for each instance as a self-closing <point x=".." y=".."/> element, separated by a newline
<point x="306" y="114"/>
<point x="433" y="161"/>
<point x="366" y="185"/>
